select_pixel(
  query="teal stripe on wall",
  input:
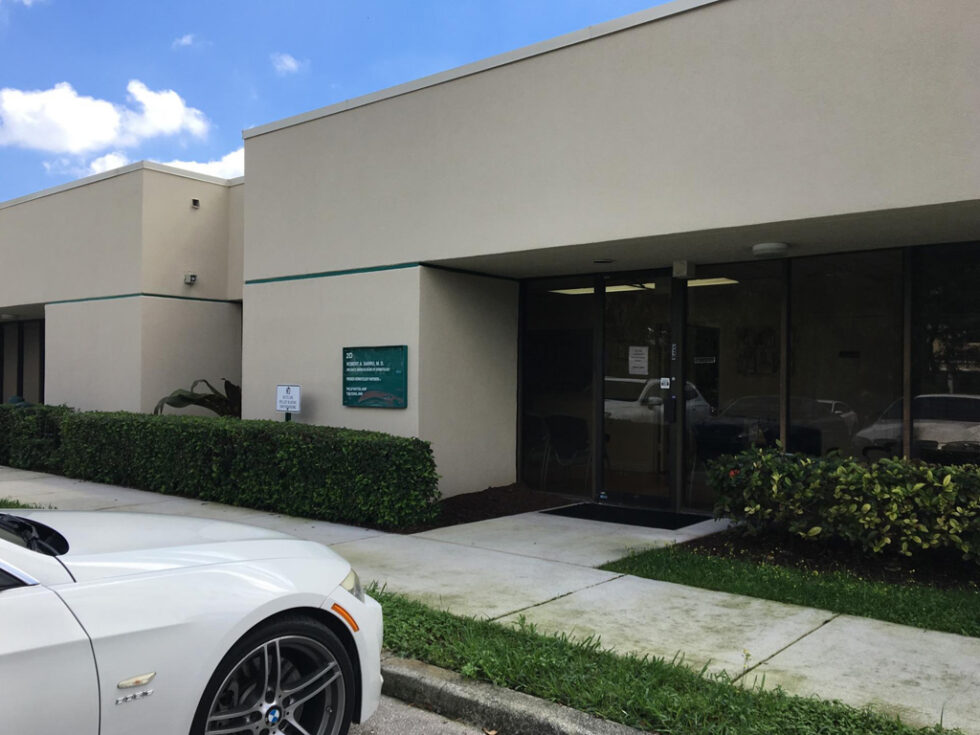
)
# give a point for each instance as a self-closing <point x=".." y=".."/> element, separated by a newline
<point x="135" y="295"/>
<point x="331" y="274"/>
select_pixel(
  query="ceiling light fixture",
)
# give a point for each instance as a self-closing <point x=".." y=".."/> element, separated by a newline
<point x="711" y="282"/>
<point x="609" y="289"/>
<point x="769" y="249"/>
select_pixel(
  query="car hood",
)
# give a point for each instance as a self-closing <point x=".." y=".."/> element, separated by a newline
<point x="929" y="430"/>
<point x="102" y="545"/>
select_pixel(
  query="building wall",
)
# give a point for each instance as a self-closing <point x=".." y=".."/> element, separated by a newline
<point x="468" y="378"/>
<point x="93" y="356"/>
<point x="704" y="120"/>
<point x="83" y="242"/>
<point x="295" y="332"/>
<point x="184" y="340"/>
<point x="461" y="333"/>
<point x="178" y="239"/>
<point x="88" y="250"/>
<point x="236" y="240"/>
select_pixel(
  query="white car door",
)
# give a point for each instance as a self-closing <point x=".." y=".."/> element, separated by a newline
<point x="48" y="681"/>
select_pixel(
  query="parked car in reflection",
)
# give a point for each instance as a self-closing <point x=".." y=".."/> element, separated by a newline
<point x="754" y="421"/>
<point x="640" y="400"/>
<point x="839" y="408"/>
<point x="945" y="429"/>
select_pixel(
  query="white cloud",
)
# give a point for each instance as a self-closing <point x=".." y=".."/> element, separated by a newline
<point x="107" y="162"/>
<point x="162" y="113"/>
<point x="59" y="120"/>
<point x="186" y="40"/>
<point x="286" y="64"/>
<point x="227" y="167"/>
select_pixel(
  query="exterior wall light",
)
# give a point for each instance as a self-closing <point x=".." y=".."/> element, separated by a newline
<point x="769" y="249"/>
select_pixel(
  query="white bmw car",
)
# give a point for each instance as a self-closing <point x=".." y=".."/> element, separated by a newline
<point x="126" y="623"/>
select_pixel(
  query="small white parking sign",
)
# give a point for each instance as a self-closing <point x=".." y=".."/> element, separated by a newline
<point x="287" y="398"/>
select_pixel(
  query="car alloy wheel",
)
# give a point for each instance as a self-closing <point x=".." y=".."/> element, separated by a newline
<point x="291" y="680"/>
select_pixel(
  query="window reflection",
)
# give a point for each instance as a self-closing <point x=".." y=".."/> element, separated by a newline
<point x="636" y="449"/>
<point x="556" y="428"/>
<point x="846" y="352"/>
<point x="946" y="354"/>
<point x="733" y="365"/>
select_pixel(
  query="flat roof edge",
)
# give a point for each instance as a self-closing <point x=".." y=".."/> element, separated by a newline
<point x="122" y="170"/>
<point x="589" y="33"/>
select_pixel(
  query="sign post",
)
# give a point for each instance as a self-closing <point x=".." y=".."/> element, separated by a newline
<point x="288" y="400"/>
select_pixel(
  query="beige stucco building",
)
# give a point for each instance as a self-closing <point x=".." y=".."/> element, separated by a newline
<point x="611" y="256"/>
<point x="95" y="309"/>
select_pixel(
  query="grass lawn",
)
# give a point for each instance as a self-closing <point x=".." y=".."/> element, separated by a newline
<point x="11" y="503"/>
<point x="645" y="693"/>
<point x="954" y="608"/>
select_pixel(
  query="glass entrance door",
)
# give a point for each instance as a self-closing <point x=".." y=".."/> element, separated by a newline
<point x="638" y="407"/>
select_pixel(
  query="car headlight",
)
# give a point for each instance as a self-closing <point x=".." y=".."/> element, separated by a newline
<point x="352" y="583"/>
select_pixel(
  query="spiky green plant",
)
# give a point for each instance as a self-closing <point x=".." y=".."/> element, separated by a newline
<point x="228" y="403"/>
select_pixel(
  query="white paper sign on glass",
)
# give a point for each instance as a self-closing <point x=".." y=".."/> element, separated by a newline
<point x="639" y="360"/>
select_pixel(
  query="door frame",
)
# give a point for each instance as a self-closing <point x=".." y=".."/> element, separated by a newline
<point x="676" y="427"/>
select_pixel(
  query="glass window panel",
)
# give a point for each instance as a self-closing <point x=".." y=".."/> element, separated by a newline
<point x="733" y="328"/>
<point x="636" y="450"/>
<point x="557" y="408"/>
<point x="846" y="354"/>
<point x="946" y="353"/>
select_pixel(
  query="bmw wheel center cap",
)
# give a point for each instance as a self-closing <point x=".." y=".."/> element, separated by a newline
<point x="273" y="716"/>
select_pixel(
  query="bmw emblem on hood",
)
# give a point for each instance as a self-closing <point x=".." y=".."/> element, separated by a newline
<point x="273" y="716"/>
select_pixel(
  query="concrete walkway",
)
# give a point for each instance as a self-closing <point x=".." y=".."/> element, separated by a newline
<point x="542" y="567"/>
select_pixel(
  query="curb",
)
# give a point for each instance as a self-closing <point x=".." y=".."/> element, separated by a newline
<point x="493" y="708"/>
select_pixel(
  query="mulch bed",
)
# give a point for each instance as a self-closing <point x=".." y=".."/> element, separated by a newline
<point x="941" y="569"/>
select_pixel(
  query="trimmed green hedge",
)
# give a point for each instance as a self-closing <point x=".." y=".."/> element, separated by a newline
<point x="30" y="436"/>
<point x="331" y="474"/>
<point x="891" y="506"/>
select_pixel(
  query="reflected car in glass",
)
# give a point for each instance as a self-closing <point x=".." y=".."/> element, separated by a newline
<point x="640" y="400"/>
<point x="754" y="421"/>
<point x="945" y="429"/>
<point x="122" y="623"/>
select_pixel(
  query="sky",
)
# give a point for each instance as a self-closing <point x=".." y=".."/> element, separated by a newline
<point x="90" y="85"/>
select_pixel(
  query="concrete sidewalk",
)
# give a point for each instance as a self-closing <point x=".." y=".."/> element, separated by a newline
<point x="542" y="567"/>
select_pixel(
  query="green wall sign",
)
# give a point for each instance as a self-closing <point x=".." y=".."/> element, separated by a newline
<point x="376" y="377"/>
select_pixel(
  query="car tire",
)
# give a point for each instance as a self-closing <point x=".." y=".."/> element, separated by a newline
<point x="288" y="672"/>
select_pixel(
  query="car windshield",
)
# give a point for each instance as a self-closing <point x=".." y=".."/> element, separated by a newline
<point x="938" y="408"/>
<point x="766" y="408"/>
<point x="946" y="408"/>
<point x="754" y="407"/>
<point x="624" y="389"/>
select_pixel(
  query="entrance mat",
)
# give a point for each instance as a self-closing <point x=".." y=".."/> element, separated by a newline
<point x="629" y="516"/>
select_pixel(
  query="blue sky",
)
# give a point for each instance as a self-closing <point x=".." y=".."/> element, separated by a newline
<point x="88" y="85"/>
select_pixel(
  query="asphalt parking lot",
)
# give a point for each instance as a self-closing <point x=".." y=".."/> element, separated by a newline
<point x="395" y="717"/>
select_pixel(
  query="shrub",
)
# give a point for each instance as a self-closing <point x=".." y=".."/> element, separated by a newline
<point x="30" y="436"/>
<point x="894" y="505"/>
<point x="331" y="474"/>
